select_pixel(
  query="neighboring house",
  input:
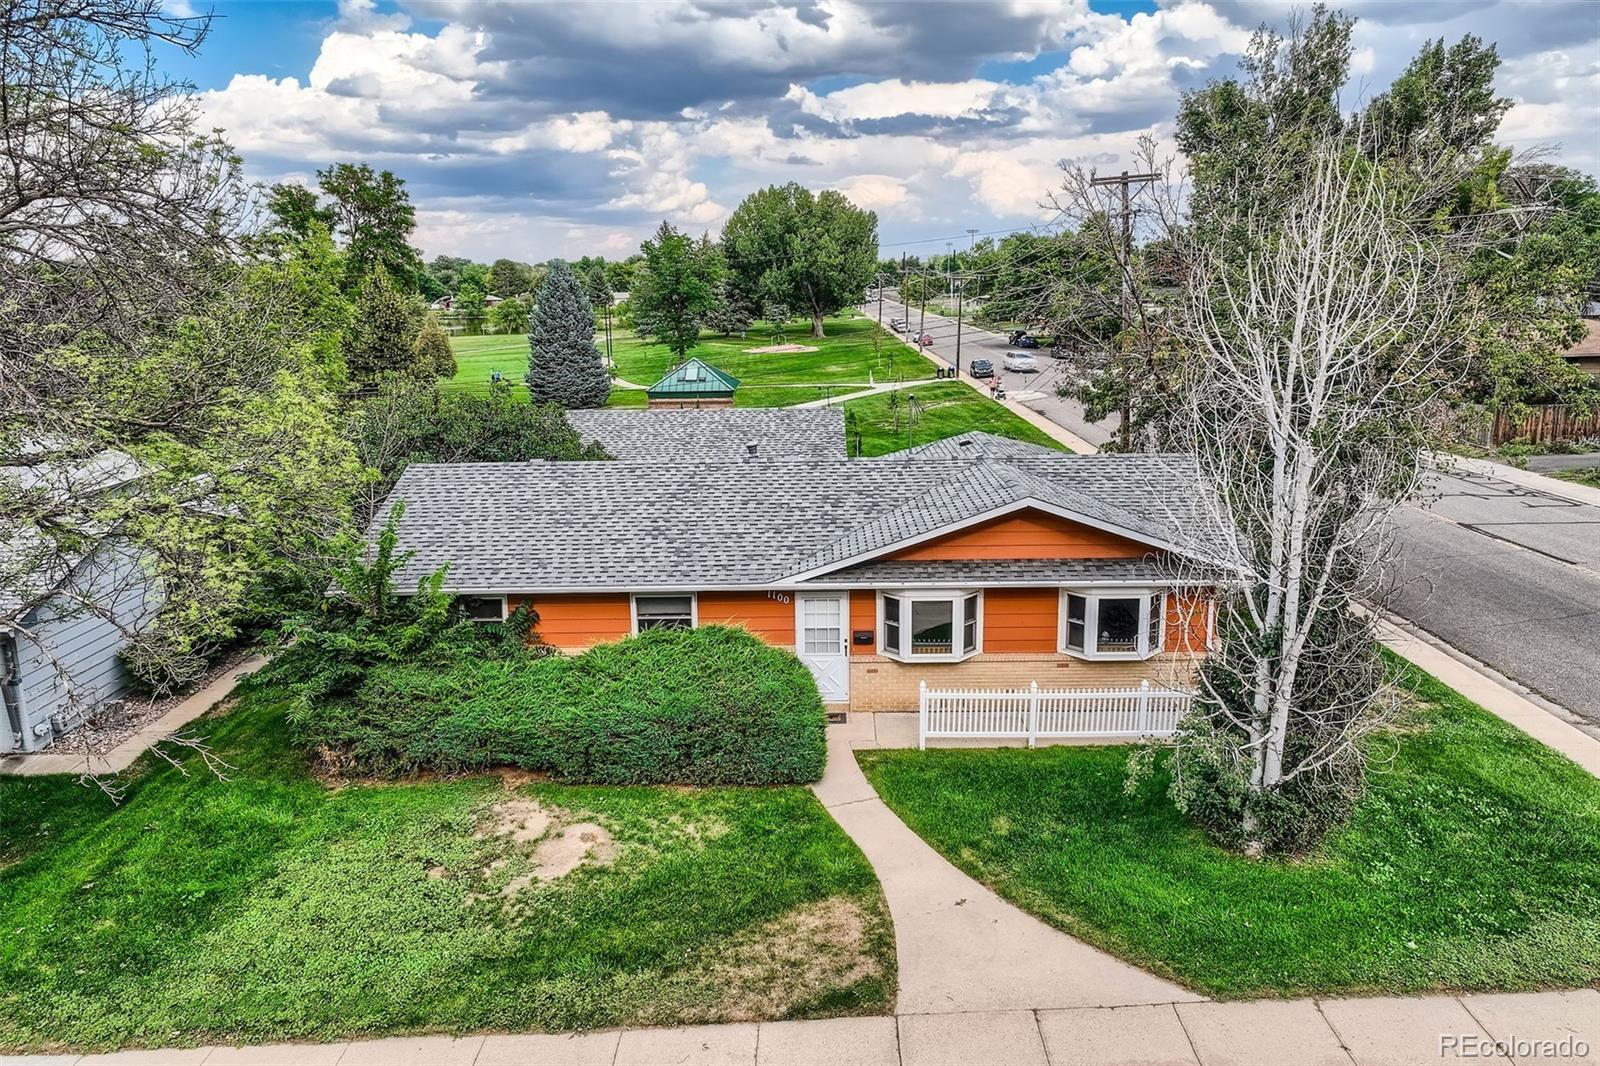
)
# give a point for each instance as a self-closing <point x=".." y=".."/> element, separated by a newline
<point x="693" y="384"/>
<point x="65" y="616"/>
<point x="985" y="571"/>
<point x="1585" y="355"/>
<point x="720" y="432"/>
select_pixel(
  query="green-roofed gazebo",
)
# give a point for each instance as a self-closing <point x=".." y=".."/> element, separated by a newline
<point x="693" y="384"/>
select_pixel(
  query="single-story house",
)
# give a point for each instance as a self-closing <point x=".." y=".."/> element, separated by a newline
<point x="693" y="383"/>
<point x="982" y="564"/>
<point x="65" y="614"/>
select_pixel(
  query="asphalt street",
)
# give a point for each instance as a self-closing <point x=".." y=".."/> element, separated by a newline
<point x="1505" y="574"/>
<point x="1511" y="577"/>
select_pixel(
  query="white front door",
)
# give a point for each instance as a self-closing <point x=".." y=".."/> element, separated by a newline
<point x="822" y="640"/>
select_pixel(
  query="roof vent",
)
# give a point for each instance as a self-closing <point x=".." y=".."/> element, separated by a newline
<point x="750" y="449"/>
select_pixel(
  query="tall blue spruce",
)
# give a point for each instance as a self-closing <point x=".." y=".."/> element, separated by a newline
<point x="563" y="362"/>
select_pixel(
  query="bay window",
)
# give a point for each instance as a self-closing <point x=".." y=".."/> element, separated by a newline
<point x="1112" y="624"/>
<point x="937" y="625"/>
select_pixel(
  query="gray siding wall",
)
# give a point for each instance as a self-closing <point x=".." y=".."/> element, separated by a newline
<point x="68" y="654"/>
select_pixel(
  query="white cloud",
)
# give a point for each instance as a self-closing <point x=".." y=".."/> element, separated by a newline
<point x="524" y="131"/>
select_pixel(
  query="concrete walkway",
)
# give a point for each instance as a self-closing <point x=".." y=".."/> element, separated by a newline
<point x="122" y="756"/>
<point x="961" y="947"/>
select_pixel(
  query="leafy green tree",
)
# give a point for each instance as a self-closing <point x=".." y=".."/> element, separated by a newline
<point x="675" y="289"/>
<point x="620" y="274"/>
<point x="512" y="315"/>
<point x="410" y="421"/>
<point x="372" y="212"/>
<point x="470" y="299"/>
<point x="777" y="316"/>
<point x="813" y="251"/>
<point x="447" y="271"/>
<point x="383" y="337"/>
<point x="508" y="278"/>
<point x="564" y="365"/>
<point x="1444" y="102"/>
<point x="295" y="210"/>
<point x="432" y="349"/>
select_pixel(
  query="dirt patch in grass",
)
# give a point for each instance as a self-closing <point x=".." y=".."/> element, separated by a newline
<point x="778" y="967"/>
<point x="543" y="847"/>
<point x="774" y="349"/>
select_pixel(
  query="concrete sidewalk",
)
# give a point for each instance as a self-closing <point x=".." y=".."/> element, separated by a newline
<point x="122" y="756"/>
<point x="1335" y="1032"/>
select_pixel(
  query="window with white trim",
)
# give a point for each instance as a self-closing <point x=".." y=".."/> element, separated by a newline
<point x="931" y="624"/>
<point x="663" y="612"/>
<point x="482" y="608"/>
<point x="1112" y="623"/>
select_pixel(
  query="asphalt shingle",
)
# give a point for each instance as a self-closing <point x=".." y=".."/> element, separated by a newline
<point x="710" y="434"/>
<point x="508" y="527"/>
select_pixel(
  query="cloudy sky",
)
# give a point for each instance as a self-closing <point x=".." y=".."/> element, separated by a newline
<point x="534" y="130"/>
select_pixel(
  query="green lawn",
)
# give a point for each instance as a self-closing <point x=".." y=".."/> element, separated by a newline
<point x="945" y="409"/>
<point x="272" y="907"/>
<point x="1472" y="863"/>
<point x="478" y="357"/>
<point x="847" y="355"/>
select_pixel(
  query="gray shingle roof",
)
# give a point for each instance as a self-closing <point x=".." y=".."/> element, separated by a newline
<point x="974" y="444"/>
<point x="715" y="433"/>
<point x="510" y="527"/>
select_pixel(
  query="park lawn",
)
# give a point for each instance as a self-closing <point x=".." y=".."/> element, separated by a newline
<point x="945" y="409"/>
<point x="853" y="352"/>
<point x="270" y="906"/>
<point x="478" y="357"/>
<point x="1473" y="862"/>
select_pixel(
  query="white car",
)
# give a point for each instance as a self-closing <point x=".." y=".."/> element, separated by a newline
<point x="1021" y="361"/>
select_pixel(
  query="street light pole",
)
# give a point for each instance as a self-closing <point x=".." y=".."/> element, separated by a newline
<point x="961" y="299"/>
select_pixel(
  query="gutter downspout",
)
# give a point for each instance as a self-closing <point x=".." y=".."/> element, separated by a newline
<point x="10" y="687"/>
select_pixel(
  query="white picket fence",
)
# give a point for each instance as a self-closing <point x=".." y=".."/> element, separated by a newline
<point x="1034" y="712"/>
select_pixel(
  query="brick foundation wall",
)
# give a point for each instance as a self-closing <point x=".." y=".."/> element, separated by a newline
<point x="880" y="684"/>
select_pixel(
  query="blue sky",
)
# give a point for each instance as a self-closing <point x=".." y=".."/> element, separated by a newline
<point x="541" y="130"/>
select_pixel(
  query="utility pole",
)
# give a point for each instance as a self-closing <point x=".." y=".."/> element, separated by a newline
<point x="880" y="301"/>
<point x="949" y="271"/>
<point x="922" y="312"/>
<point x="1126" y="181"/>
<point x="961" y="298"/>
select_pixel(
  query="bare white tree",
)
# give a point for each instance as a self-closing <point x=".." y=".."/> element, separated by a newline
<point x="1316" y="335"/>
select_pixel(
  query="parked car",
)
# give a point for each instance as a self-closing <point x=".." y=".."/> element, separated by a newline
<point x="1021" y="361"/>
<point x="1025" y="341"/>
<point x="925" y="339"/>
<point x="897" y="324"/>
<point x="981" y="368"/>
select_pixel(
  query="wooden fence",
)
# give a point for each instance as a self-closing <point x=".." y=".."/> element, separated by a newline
<point x="1545" y="423"/>
<point x="1033" y="712"/>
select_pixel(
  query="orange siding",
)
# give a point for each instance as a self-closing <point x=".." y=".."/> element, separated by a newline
<point x="1028" y="535"/>
<point x="579" y="620"/>
<point x="1020" y="619"/>
<point x="1188" y="617"/>
<point x="770" y="619"/>
<point x="863" y="615"/>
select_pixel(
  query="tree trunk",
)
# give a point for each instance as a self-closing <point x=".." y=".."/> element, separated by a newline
<point x="816" y="324"/>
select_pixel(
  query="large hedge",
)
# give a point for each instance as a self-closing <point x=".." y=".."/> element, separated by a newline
<point x="710" y="706"/>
